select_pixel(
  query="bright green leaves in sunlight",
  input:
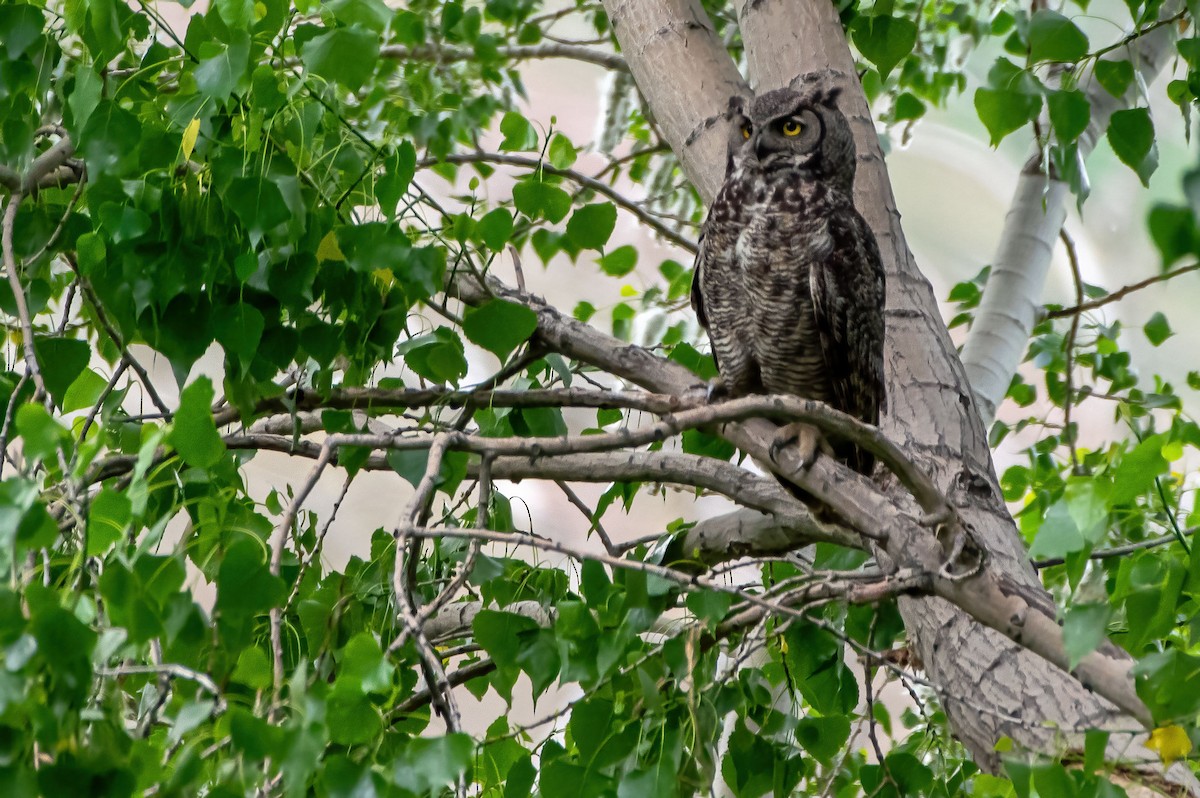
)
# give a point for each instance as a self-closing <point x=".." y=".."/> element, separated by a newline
<point x="193" y="433"/>
<point x="499" y="326"/>
<point x="519" y="134"/>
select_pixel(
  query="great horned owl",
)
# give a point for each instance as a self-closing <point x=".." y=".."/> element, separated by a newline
<point x="789" y="282"/>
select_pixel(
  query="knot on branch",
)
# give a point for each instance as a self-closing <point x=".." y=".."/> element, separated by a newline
<point x="964" y="556"/>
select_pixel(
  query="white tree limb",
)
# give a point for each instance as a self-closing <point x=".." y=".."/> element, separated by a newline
<point x="1012" y="297"/>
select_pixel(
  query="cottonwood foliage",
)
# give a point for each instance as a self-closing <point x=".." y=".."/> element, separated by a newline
<point x="256" y="181"/>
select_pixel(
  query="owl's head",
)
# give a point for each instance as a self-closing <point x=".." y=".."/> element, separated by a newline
<point x="800" y="128"/>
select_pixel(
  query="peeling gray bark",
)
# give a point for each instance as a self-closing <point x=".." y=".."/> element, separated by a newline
<point x="930" y="410"/>
<point x="1012" y="297"/>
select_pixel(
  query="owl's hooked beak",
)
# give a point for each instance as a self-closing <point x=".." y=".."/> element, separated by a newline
<point x="756" y="143"/>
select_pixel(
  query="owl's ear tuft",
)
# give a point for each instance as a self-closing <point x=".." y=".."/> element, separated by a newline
<point x="736" y="108"/>
<point x="829" y="97"/>
<point x="821" y="86"/>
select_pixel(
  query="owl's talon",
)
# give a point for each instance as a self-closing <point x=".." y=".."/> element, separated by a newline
<point x="717" y="390"/>
<point x="805" y="437"/>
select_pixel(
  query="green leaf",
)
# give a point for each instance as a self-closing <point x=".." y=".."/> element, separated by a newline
<point x="245" y="585"/>
<point x="436" y="356"/>
<point x="1085" y="627"/>
<point x="1115" y="76"/>
<point x="427" y="764"/>
<point x="591" y="225"/>
<point x="562" y="152"/>
<point x="351" y="717"/>
<point x="1058" y="535"/>
<point x="709" y="605"/>
<point x="823" y="737"/>
<point x="239" y="329"/>
<point x="258" y="203"/>
<point x="364" y="665"/>
<point x="20" y="26"/>
<point x="1087" y="501"/>
<point x="519" y="134"/>
<point x="1070" y="113"/>
<point x="218" y="75"/>
<point x="1169" y="682"/>
<point x="1157" y="329"/>
<point x="253" y="669"/>
<point x="61" y="361"/>
<point x="193" y="434"/>
<point x="399" y="169"/>
<point x="500" y="634"/>
<point x="344" y="55"/>
<point x="499" y="326"/>
<point x="410" y="464"/>
<point x="1053" y="37"/>
<point x="884" y="40"/>
<point x="84" y="392"/>
<point x="620" y="262"/>
<point x="1174" y="232"/>
<point x="536" y="198"/>
<point x="495" y="228"/>
<point x="1003" y="111"/>
<point x="1131" y="135"/>
<point x="1138" y="469"/>
<point x="41" y="435"/>
<point x="108" y="516"/>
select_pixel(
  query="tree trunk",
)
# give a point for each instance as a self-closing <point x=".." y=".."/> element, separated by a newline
<point x="990" y="686"/>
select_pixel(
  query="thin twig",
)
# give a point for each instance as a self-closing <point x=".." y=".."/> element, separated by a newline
<point x="14" y="282"/>
<point x="482" y="514"/>
<point x="279" y="542"/>
<point x="402" y="588"/>
<point x="1120" y="293"/>
<point x="590" y="515"/>
<point x="126" y="355"/>
<point x="1121" y="551"/>
<point x="316" y="552"/>
<point x="1069" y="349"/>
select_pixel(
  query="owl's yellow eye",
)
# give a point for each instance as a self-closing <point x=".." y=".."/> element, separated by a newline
<point x="745" y="131"/>
<point x="791" y="128"/>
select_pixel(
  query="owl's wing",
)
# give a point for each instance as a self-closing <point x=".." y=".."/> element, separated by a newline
<point x="848" y="294"/>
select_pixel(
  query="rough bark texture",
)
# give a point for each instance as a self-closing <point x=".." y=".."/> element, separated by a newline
<point x="930" y="411"/>
<point x="1012" y="297"/>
